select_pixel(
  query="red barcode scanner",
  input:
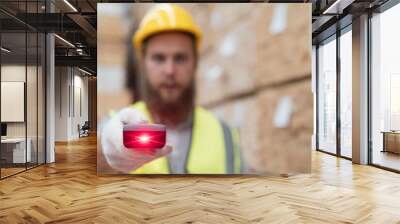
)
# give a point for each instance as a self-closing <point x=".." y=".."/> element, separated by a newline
<point x="144" y="136"/>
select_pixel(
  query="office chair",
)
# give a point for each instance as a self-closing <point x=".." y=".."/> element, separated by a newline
<point x="84" y="130"/>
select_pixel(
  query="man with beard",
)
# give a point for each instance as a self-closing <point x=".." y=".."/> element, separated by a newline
<point x="166" y="45"/>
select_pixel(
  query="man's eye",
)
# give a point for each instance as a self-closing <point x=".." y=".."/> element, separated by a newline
<point x="180" y="58"/>
<point x="158" y="58"/>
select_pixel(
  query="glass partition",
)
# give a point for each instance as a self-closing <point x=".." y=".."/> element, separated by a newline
<point x="22" y="90"/>
<point x="327" y="95"/>
<point x="385" y="89"/>
<point x="346" y="93"/>
<point x="14" y="153"/>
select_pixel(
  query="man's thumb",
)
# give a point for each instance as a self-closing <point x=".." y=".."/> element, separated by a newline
<point x="164" y="151"/>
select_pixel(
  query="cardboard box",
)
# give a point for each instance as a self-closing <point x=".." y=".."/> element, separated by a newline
<point x="271" y="46"/>
<point x="284" y="44"/>
<point x="228" y="70"/>
<point x="223" y="18"/>
<point x="275" y="127"/>
<point x="286" y="125"/>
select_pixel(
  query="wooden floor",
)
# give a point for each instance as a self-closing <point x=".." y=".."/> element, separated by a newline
<point x="387" y="159"/>
<point x="10" y="171"/>
<point x="70" y="191"/>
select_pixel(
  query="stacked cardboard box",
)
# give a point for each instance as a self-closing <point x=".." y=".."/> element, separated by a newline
<point x="263" y="88"/>
<point x="285" y="127"/>
<point x="275" y="127"/>
<point x="228" y="69"/>
<point x="263" y="46"/>
<point x="284" y="52"/>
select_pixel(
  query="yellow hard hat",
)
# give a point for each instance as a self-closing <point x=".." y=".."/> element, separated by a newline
<point x="165" y="17"/>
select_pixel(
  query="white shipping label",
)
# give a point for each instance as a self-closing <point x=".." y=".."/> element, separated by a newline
<point x="283" y="112"/>
<point x="279" y="19"/>
<point x="214" y="73"/>
<point x="228" y="45"/>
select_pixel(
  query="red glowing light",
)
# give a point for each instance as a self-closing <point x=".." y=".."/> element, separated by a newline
<point x="144" y="136"/>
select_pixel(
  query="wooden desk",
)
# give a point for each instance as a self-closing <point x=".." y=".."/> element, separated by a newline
<point x="13" y="150"/>
<point x="391" y="141"/>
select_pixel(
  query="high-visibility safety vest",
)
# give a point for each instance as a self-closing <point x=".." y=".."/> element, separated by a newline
<point x="213" y="150"/>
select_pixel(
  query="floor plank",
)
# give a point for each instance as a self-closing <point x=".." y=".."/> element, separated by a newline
<point x="69" y="191"/>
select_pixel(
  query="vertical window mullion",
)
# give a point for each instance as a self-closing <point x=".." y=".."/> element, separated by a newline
<point x="37" y="90"/>
<point x="369" y="77"/>
<point x="317" y="96"/>
<point x="26" y="86"/>
<point x="338" y="76"/>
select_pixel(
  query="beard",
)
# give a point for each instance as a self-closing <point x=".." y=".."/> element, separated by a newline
<point x="165" y="108"/>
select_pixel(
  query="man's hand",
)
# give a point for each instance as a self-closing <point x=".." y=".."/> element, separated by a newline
<point x="118" y="157"/>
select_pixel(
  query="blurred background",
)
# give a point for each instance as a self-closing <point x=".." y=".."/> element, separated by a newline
<point x="254" y="73"/>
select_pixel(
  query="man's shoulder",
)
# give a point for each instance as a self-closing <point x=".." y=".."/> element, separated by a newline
<point x="199" y="110"/>
<point x="138" y="104"/>
<point x="204" y="113"/>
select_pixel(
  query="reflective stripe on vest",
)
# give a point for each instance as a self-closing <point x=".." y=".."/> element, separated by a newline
<point x="213" y="149"/>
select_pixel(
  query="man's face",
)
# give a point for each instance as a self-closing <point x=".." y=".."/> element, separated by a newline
<point x="169" y="62"/>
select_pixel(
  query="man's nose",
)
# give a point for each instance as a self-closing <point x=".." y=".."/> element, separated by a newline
<point x="170" y="67"/>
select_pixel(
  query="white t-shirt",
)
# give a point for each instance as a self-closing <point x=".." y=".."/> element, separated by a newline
<point x="179" y="137"/>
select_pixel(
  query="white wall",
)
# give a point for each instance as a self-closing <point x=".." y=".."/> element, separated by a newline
<point x="80" y="100"/>
<point x="70" y="84"/>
